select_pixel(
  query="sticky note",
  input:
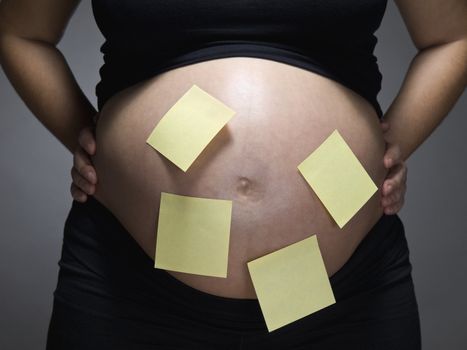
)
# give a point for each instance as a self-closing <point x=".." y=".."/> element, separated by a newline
<point x="193" y="235"/>
<point x="188" y="127"/>
<point x="338" y="178"/>
<point x="291" y="283"/>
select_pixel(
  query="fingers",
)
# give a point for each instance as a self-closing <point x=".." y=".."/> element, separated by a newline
<point x="393" y="209"/>
<point x="87" y="140"/>
<point x="395" y="181"/>
<point x="77" y="194"/>
<point x="396" y="176"/>
<point x="82" y="173"/>
<point x="81" y="183"/>
<point x="394" y="196"/>
<point x="392" y="156"/>
<point x="384" y="126"/>
<point x="394" y="188"/>
<point x="82" y="163"/>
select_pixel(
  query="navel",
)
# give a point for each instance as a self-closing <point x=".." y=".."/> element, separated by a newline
<point x="248" y="189"/>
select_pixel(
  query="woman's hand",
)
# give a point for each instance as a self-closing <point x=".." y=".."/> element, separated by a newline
<point x="394" y="185"/>
<point x="83" y="173"/>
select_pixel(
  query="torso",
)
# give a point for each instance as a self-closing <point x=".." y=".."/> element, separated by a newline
<point x="282" y="114"/>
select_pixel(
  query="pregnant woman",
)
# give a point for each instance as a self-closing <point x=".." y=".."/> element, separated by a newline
<point x="293" y="71"/>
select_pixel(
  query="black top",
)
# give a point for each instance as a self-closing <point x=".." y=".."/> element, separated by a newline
<point x="334" y="38"/>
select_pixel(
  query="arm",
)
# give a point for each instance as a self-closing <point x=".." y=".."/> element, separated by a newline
<point x="437" y="75"/>
<point x="38" y="71"/>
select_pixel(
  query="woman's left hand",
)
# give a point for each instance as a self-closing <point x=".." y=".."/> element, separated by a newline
<point x="394" y="186"/>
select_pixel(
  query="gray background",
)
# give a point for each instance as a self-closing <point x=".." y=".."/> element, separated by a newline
<point x="35" y="198"/>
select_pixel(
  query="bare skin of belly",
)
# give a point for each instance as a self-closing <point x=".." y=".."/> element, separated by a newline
<point x="283" y="113"/>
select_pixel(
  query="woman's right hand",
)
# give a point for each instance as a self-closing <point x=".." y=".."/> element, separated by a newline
<point x="83" y="172"/>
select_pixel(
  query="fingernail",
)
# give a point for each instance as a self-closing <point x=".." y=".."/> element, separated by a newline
<point x="90" y="176"/>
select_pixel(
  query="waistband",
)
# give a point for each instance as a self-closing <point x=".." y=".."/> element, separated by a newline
<point x="101" y="262"/>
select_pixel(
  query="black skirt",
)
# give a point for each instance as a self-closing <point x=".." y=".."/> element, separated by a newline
<point x="110" y="296"/>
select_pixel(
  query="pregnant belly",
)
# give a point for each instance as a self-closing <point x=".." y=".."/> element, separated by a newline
<point x="282" y="114"/>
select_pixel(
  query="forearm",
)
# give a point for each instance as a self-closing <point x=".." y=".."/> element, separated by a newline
<point x="42" y="78"/>
<point x="436" y="78"/>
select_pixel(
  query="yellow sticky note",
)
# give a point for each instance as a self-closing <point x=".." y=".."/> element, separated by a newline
<point x="188" y="127"/>
<point x="291" y="283"/>
<point x="338" y="178"/>
<point x="193" y="235"/>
